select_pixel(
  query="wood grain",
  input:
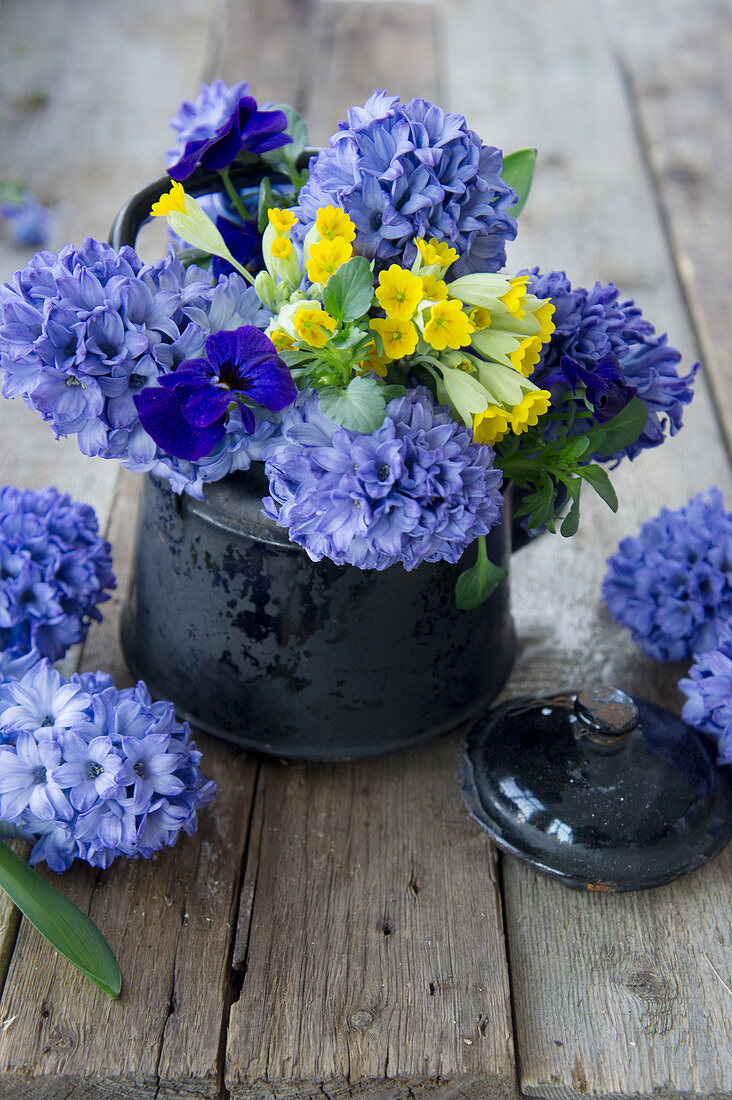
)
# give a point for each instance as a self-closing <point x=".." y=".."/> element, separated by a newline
<point x="612" y="996"/>
<point x="371" y="947"/>
<point x="324" y="56"/>
<point x="683" y="112"/>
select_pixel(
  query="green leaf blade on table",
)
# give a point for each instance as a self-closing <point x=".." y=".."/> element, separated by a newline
<point x="518" y="172"/>
<point x="61" y="922"/>
<point x="476" y="584"/>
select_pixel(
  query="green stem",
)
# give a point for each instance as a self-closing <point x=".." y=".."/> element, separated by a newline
<point x="233" y="195"/>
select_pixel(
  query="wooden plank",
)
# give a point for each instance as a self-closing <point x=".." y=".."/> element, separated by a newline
<point x="323" y="57"/>
<point x="170" y="922"/>
<point x="683" y="111"/>
<point x="625" y="984"/>
<point x="393" y="980"/>
<point x="114" y="76"/>
<point x="373" y="947"/>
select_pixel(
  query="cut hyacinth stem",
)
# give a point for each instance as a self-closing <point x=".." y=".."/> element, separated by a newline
<point x="61" y="922"/>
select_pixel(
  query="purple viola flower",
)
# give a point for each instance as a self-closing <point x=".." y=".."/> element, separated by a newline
<point x="244" y="242"/>
<point x="186" y="413"/>
<point x="26" y="780"/>
<point x="245" y="128"/>
<point x="203" y="116"/>
<point x="605" y="387"/>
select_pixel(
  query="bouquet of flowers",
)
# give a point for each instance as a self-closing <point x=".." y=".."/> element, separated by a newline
<point x="352" y="325"/>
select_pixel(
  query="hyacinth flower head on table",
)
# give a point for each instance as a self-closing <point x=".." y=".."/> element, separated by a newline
<point x="352" y="324"/>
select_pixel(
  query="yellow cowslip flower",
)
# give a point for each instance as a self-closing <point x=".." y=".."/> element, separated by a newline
<point x="313" y="326"/>
<point x="282" y="221"/>
<point x="281" y="248"/>
<point x="513" y="299"/>
<point x="187" y="218"/>
<point x="326" y="257"/>
<point x="331" y="221"/>
<point x="449" y="326"/>
<point x="399" y="292"/>
<point x="434" y="289"/>
<point x="281" y="340"/>
<point x="491" y="425"/>
<point x="399" y="336"/>
<point x="435" y="252"/>
<point x="480" y="318"/>
<point x="526" y="355"/>
<point x="372" y="362"/>
<point x="171" y="203"/>
<point x="533" y="405"/>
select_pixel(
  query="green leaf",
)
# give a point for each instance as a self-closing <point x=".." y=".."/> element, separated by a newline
<point x="475" y="585"/>
<point x="265" y="203"/>
<point x="518" y="172"/>
<point x="63" y="924"/>
<point x="575" y="448"/>
<point x="624" y="428"/>
<point x="350" y="290"/>
<point x="601" y="483"/>
<point x="359" y="407"/>
<point x="570" y="523"/>
<point x="539" y="504"/>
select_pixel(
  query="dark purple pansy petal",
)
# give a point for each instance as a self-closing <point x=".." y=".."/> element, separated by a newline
<point x="193" y="372"/>
<point x="246" y="128"/>
<point x="205" y="405"/>
<point x="221" y="348"/>
<point x="264" y="131"/>
<point x="162" y="418"/>
<point x="270" y="384"/>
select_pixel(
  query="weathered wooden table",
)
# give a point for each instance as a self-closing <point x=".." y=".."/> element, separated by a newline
<point x="345" y="929"/>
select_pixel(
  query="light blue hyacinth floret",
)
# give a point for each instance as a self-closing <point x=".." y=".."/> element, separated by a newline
<point x="416" y="489"/>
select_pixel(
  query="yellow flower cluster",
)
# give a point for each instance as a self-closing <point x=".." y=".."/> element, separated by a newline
<point x="334" y="232"/>
<point x="417" y="303"/>
<point x="282" y="222"/>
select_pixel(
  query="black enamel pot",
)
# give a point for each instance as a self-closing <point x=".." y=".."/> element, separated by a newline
<point x="255" y="643"/>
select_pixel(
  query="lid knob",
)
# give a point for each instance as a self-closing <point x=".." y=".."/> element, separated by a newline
<point x="606" y="716"/>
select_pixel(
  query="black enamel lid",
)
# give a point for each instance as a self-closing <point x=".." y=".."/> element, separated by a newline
<point x="599" y="790"/>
